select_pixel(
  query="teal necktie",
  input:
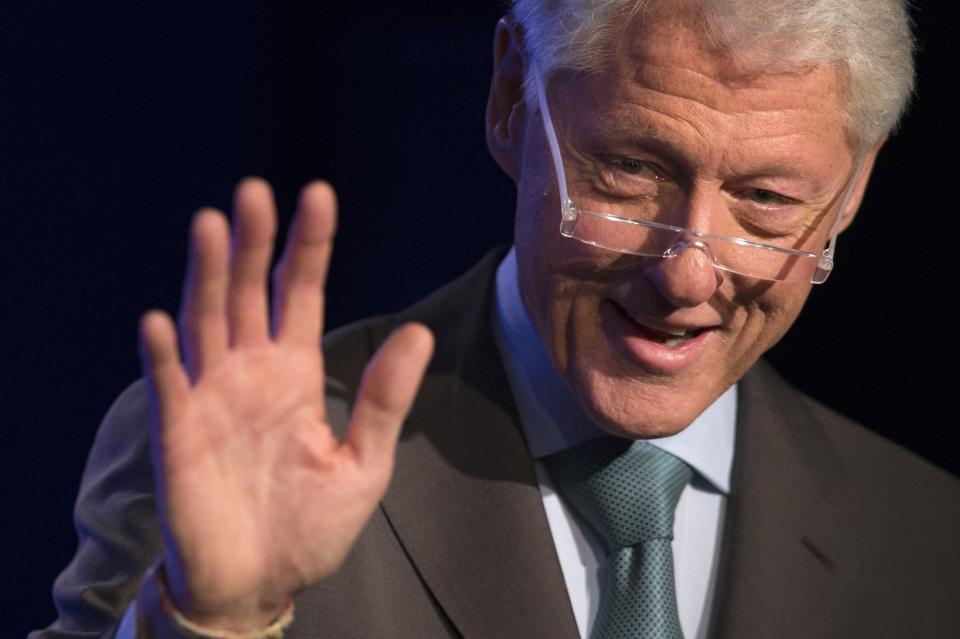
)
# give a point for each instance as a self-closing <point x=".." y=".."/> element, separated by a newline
<point x="627" y="492"/>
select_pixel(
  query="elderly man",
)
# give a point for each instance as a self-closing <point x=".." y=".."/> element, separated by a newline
<point x="594" y="448"/>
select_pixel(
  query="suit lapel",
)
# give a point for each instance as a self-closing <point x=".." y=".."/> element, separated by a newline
<point x="464" y="500"/>
<point x="783" y="551"/>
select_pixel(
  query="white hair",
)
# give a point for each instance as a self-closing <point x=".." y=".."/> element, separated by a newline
<point x="869" y="40"/>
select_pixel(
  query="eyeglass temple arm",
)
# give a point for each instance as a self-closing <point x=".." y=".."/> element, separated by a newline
<point x="825" y="264"/>
<point x="568" y="212"/>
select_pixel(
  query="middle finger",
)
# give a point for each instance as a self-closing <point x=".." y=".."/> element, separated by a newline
<point x="254" y="228"/>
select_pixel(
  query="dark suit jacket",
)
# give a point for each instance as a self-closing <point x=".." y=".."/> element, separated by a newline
<point x="830" y="531"/>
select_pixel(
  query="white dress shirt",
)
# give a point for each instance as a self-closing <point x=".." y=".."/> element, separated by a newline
<point x="552" y="421"/>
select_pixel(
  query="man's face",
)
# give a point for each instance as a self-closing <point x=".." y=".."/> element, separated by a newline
<point x="668" y="109"/>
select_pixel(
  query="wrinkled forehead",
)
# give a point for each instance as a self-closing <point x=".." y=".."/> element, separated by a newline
<point x="666" y="58"/>
<point x="679" y="39"/>
<point x="665" y="86"/>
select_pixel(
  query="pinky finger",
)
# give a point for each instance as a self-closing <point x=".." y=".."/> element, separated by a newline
<point x="160" y="359"/>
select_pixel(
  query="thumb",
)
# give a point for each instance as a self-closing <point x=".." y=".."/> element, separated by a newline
<point x="387" y="390"/>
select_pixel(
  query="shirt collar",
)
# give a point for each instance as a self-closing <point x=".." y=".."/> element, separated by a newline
<point x="550" y="416"/>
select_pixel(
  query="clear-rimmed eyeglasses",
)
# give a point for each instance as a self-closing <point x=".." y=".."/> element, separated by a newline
<point x="638" y="236"/>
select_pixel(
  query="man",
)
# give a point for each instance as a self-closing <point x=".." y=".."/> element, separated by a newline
<point x="682" y="172"/>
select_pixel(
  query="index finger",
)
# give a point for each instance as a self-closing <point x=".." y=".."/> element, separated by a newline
<point x="302" y="273"/>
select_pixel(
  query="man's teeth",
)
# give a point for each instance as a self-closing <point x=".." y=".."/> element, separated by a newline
<point x="677" y="341"/>
<point x="678" y="337"/>
<point x="668" y="335"/>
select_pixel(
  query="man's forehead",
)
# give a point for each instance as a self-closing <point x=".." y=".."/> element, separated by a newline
<point x="672" y="51"/>
<point x="667" y="86"/>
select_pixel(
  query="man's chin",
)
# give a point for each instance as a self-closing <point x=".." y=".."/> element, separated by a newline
<point x="639" y="419"/>
<point x="640" y="415"/>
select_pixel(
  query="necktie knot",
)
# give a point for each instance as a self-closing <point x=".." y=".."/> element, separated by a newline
<point x="625" y="490"/>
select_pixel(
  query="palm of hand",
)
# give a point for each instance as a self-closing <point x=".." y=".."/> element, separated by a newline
<point x="259" y="498"/>
<point x="247" y="464"/>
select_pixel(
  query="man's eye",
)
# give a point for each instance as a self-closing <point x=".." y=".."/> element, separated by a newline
<point x="766" y="198"/>
<point x="638" y="167"/>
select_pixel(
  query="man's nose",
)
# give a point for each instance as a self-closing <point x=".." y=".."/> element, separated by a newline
<point x="687" y="277"/>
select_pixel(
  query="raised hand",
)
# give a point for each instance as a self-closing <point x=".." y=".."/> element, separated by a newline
<point x="258" y="498"/>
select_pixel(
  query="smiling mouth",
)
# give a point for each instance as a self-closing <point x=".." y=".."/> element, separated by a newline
<point x="667" y="337"/>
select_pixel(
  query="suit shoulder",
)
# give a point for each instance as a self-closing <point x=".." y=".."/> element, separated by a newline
<point x="902" y="519"/>
<point x="877" y="484"/>
<point x="348" y="348"/>
<point x="880" y="460"/>
<point x="450" y="312"/>
<point x="829" y="438"/>
<point x="903" y="512"/>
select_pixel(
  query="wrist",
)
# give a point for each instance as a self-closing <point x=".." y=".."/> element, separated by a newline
<point x="160" y="618"/>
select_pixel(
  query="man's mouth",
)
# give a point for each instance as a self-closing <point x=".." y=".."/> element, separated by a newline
<point x="670" y="338"/>
<point x="659" y="346"/>
<point x="666" y="336"/>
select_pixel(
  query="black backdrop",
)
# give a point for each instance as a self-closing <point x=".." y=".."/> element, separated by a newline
<point x="120" y="119"/>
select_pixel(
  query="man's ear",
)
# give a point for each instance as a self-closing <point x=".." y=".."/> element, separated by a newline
<point x="506" y="109"/>
<point x="853" y="205"/>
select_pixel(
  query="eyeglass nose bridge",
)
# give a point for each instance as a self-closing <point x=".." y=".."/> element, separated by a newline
<point x="682" y="245"/>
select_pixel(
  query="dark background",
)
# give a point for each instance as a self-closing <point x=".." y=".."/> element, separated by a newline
<point x="120" y="119"/>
